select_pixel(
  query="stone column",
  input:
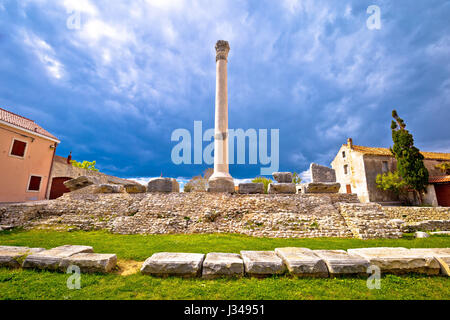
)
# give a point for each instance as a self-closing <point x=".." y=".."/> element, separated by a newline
<point x="221" y="180"/>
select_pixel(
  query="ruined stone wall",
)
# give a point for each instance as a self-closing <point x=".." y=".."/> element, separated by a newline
<point x="282" y="216"/>
<point x="417" y="214"/>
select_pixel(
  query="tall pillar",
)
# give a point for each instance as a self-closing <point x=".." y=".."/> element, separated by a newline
<point x="221" y="180"/>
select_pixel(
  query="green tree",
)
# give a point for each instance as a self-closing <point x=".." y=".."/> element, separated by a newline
<point x="444" y="167"/>
<point x="296" y="178"/>
<point x="410" y="164"/>
<point x="392" y="181"/>
<point x="264" y="181"/>
<point x="84" y="165"/>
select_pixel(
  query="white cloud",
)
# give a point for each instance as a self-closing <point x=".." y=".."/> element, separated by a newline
<point x="45" y="54"/>
<point x="306" y="176"/>
<point x="82" y="6"/>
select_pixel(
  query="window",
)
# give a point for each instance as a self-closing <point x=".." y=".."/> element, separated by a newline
<point x="35" y="183"/>
<point x="18" y="148"/>
<point x="343" y="154"/>
<point x="346" y="169"/>
<point x="385" y="166"/>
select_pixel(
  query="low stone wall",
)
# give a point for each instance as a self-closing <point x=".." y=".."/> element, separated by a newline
<point x="428" y="225"/>
<point x="417" y="214"/>
<point x="282" y="216"/>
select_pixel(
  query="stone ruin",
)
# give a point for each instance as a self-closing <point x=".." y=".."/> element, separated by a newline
<point x="323" y="180"/>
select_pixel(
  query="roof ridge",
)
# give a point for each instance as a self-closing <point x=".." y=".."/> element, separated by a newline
<point x="422" y="151"/>
<point x="18" y="115"/>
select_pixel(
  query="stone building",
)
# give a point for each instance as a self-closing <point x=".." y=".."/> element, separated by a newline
<point x="357" y="168"/>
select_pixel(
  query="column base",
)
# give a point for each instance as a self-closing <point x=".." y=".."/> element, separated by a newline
<point x="221" y="184"/>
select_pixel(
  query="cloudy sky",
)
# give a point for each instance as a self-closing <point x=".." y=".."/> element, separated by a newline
<point x="114" y="89"/>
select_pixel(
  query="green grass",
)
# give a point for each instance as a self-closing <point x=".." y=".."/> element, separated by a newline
<point x="25" y="284"/>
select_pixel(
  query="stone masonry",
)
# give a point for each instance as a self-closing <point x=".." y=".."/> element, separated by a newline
<point x="278" y="215"/>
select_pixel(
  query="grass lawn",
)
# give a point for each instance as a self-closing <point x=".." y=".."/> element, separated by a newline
<point x="21" y="284"/>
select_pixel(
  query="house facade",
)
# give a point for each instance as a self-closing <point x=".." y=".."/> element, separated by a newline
<point x="26" y="156"/>
<point x="357" y="168"/>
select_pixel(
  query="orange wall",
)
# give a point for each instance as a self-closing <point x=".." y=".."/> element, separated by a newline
<point x="15" y="173"/>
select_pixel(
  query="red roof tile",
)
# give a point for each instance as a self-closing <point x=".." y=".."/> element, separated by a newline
<point x="439" y="179"/>
<point x="387" y="152"/>
<point x="24" y="123"/>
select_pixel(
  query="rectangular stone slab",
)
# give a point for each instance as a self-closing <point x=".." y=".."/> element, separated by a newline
<point x="442" y="255"/>
<point x="262" y="263"/>
<point x="174" y="264"/>
<point x="399" y="260"/>
<point x="10" y="257"/>
<point x="50" y="259"/>
<point x="90" y="262"/>
<point x="339" y="262"/>
<point x="218" y="265"/>
<point x="303" y="262"/>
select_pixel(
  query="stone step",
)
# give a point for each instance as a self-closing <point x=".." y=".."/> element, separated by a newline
<point x="218" y="265"/>
<point x="166" y="264"/>
<point x="303" y="262"/>
<point x="51" y="259"/>
<point x="90" y="262"/>
<point x="262" y="263"/>
<point x="11" y="257"/>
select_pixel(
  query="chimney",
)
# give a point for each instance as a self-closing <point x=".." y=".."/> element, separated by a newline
<point x="350" y="143"/>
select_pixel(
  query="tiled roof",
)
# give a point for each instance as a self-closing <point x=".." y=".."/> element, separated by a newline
<point x="387" y="152"/>
<point x="24" y="123"/>
<point x="439" y="179"/>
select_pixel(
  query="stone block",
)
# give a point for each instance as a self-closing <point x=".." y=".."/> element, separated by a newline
<point x="218" y="265"/>
<point x="421" y="235"/>
<point x="442" y="255"/>
<point x="165" y="185"/>
<point x="282" y="188"/>
<point x="51" y="259"/>
<point x="109" y="188"/>
<point x="90" y="262"/>
<point x="340" y="262"/>
<point x="135" y="188"/>
<point x="399" y="260"/>
<point x="262" y="263"/>
<point x="283" y="177"/>
<point x="303" y="262"/>
<point x="251" y="188"/>
<point x="221" y="186"/>
<point x="11" y="257"/>
<point x="165" y="264"/>
<point x="322" y="187"/>
<point x="322" y="174"/>
<point x="81" y="182"/>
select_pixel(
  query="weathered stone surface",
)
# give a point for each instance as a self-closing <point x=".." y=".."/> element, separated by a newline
<point x="90" y="262"/>
<point x="81" y="182"/>
<point x="6" y="228"/>
<point x="251" y="188"/>
<point x="282" y="188"/>
<point x="135" y="188"/>
<point x="10" y="257"/>
<point x="110" y="188"/>
<point x="221" y="186"/>
<point x="322" y="174"/>
<point x="262" y="263"/>
<point x="218" y="265"/>
<point x="51" y="259"/>
<point x="166" y="185"/>
<point x="399" y="260"/>
<point x="440" y="233"/>
<point x="303" y="262"/>
<point x="283" y="177"/>
<point x="442" y="255"/>
<point x="421" y="235"/>
<point x="173" y="264"/>
<point x="321" y="187"/>
<point x="340" y="262"/>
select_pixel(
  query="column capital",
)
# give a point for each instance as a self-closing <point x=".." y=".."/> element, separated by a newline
<point x="222" y="50"/>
